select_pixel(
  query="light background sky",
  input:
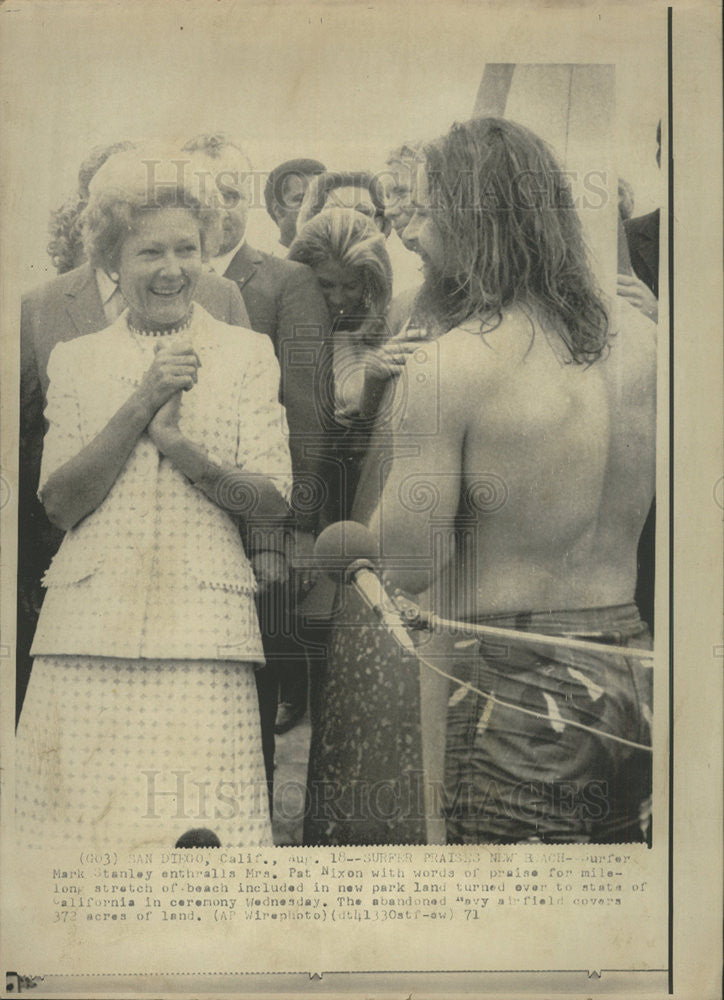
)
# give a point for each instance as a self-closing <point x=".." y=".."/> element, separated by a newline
<point x="341" y="82"/>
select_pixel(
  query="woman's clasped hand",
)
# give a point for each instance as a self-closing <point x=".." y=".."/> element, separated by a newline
<point x="174" y="367"/>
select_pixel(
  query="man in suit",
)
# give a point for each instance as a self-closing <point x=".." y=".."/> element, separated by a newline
<point x="78" y="302"/>
<point x="284" y="192"/>
<point x="642" y="290"/>
<point x="643" y="245"/>
<point x="642" y="234"/>
<point x="284" y="301"/>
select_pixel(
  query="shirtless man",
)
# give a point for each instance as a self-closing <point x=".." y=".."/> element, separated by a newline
<point x="522" y="481"/>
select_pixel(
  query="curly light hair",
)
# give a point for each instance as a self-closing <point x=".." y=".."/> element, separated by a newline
<point x="122" y="191"/>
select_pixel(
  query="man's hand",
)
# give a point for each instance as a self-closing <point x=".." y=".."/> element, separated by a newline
<point x="388" y="360"/>
<point x="270" y="568"/>
<point x="639" y="295"/>
<point x="302" y="552"/>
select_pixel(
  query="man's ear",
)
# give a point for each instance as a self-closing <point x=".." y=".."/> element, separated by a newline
<point x="278" y="213"/>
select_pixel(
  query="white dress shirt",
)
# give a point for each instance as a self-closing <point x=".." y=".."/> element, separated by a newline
<point x="111" y="295"/>
<point x="218" y="265"/>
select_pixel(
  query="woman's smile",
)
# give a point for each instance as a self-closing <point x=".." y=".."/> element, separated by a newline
<point x="160" y="266"/>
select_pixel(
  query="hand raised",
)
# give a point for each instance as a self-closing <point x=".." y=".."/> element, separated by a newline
<point x="174" y="368"/>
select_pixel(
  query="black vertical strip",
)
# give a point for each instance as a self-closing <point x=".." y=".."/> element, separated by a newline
<point x="670" y="160"/>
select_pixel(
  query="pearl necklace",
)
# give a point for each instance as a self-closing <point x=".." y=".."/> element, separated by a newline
<point x="169" y="331"/>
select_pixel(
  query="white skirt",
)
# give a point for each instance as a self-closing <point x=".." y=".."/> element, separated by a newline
<point x="129" y="754"/>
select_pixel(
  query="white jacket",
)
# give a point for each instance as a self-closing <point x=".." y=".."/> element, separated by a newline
<point x="158" y="570"/>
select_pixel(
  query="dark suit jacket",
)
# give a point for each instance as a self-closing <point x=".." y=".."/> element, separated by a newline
<point x="67" y="307"/>
<point x="284" y="301"/>
<point x="643" y="246"/>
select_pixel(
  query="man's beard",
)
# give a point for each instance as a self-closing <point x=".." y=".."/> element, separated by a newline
<point x="440" y="298"/>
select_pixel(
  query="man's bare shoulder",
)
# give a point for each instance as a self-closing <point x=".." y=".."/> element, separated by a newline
<point x="446" y="375"/>
<point x="439" y="376"/>
<point x="483" y="355"/>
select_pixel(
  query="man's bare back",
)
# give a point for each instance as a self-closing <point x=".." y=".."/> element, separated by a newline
<point x="543" y="469"/>
<point x="522" y="475"/>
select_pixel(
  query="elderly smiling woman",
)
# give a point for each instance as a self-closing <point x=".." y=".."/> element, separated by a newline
<point x="165" y="438"/>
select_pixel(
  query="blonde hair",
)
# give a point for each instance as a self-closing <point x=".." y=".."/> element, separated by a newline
<point x="351" y="239"/>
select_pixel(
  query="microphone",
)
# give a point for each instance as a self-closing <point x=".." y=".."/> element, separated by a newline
<point x="348" y="547"/>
